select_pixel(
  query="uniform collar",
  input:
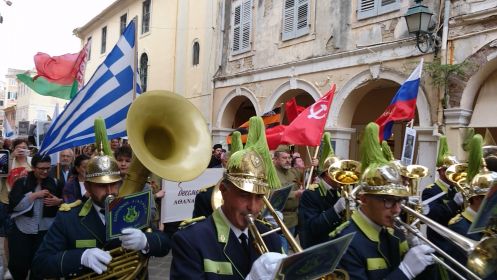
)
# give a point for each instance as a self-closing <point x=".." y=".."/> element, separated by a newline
<point x="86" y="208"/>
<point x="469" y="214"/>
<point x="367" y="226"/>
<point x="235" y="230"/>
<point x="444" y="186"/>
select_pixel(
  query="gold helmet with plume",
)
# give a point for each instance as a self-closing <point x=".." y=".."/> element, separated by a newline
<point x="251" y="169"/>
<point x="380" y="176"/>
<point x="328" y="156"/>
<point x="102" y="169"/>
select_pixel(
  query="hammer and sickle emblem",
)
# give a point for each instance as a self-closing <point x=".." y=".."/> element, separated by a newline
<point x="319" y="114"/>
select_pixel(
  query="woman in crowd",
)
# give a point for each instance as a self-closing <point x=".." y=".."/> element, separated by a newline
<point x="75" y="188"/>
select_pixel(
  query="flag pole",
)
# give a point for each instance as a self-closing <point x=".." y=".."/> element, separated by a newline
<point x="312" y="166"/>
<point x="135" y="60"/>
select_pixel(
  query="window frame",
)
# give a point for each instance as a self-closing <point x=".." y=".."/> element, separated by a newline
<point x="378" y="8"/>
<point x="123" y="21"/>
<point x="146" y="14"/>
<point x="143" y="71"/>
<point x="291" y="17"/>
<point x="103" y="43"/>
<point x="244" y="27"/>
<point x="196" y="53"/>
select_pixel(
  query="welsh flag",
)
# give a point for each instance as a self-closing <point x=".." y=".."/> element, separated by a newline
<point x="57" y="76"/>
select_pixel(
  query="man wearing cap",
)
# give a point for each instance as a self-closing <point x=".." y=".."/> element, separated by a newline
<point x="220" y="247"/>
<point x="441" y="199"/>
<point x="76" y="243"/>
<point x="216" y="162"/>
<point x="320" y="209"/>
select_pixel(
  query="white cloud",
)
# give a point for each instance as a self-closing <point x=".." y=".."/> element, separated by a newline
<point x="31" y="26"/>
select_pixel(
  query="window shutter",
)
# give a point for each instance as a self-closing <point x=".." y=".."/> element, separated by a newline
<point x="388" y="6"/>
<point x="302" y="18"/>
<point x="366" y="8"/>
<point x="246" y="25"/>
<point x="289" y="20"/>
<point x="236" y="28"/>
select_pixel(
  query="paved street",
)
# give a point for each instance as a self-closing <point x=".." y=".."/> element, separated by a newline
<point x="158" y="268"/>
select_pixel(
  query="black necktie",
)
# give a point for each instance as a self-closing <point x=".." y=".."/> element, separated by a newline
<point x="244" y="242"/>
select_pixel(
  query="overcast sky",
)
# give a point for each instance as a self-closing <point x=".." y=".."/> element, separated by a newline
<point x="31" y="26"/>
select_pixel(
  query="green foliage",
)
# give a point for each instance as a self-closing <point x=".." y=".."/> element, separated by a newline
<point x="440" y="73"/>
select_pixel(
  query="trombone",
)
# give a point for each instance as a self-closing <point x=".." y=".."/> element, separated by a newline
<point x="414" y="173"/>
<point x="456" y="174"/>
<point x="482" y="255"/>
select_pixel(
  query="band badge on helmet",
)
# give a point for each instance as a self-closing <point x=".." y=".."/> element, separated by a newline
<point x="250" y="174"/>
<point x="103" y="170"/>
<point x="383" y="179"/>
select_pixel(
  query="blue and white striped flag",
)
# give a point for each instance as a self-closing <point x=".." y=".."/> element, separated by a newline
<point x="108" y="94"/>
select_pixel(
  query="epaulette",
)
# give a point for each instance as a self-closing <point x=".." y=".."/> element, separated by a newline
<point x="456" y="219"/>
<point x="339" y="229"/>
<point x="188" y="222"/>
<point x="313" y="187"/>
<point x="64" y="207"/>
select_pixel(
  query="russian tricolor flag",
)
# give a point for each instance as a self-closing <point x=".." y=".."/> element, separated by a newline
<point x="403" y="105"/>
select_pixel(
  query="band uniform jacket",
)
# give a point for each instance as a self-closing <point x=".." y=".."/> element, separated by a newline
<point x="76" y="230"/>
<point x="203" y="206"/>
<point x="441" y="210"/>
<point x="210" y="250"/>
<point x="317" y="217"/>
<point x="461" y="224"/>
<point x="366" y="258"/>
<point x="290" y="176"/>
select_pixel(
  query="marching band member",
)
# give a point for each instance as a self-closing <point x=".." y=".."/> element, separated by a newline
<point x="321" y="206"/>
<point x="76" y="242"/>
<point x="476" y="193"/>
<point x="220" y="247"/>
<point x="449" y="201"/>
<point x="378" y="251"/>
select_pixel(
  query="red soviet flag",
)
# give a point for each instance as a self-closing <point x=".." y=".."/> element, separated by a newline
<point x="292" y="110"/>
<point x="307" y="128"/>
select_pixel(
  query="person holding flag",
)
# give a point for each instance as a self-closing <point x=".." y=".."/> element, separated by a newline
<point x="403" y="105"/>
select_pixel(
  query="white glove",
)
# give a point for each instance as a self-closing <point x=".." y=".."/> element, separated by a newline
<point x="416" y="260"/>
<point x="412" y="240"/>
<point x="133" y="239"/>
<point x="96" y="259"/>
<point x="264" y="268"/>
<point x="458" y="199"/>
<point x="270" y="219"/>
<point x="339" y="205"/>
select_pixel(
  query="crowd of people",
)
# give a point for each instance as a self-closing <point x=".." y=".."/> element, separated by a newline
<point x="44" y="240"/>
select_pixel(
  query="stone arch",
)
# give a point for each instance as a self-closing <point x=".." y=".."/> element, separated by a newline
<point x="239" y="91"/>
<point x="289" y="85"/>
<point x="464" y="90"/>
<point x="341" y="113"/>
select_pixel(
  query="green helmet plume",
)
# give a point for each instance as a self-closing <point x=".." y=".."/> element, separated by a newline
<point x="443" y="150"/>
<point x="387" y="152"/>
<point x="101" y="141"/>
<point x="327" y="150"/>
<point x="475" y="156"/>
<point x="236" y="142"/>
<point x="256" y="141"/>
<point x="370" y="147"/>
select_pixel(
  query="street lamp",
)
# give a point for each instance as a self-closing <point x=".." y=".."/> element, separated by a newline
<point x="418" y="19"/>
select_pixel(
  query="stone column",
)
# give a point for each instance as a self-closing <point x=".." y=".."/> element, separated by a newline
<point x="454" y="119"/>
<point x="341" y="136"/>
<point x="219" y="136"/>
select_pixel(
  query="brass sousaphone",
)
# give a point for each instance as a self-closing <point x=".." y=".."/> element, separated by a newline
<point x="170" y="138"/>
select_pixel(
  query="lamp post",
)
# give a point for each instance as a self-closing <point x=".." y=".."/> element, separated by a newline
<point x="418" y="19"/>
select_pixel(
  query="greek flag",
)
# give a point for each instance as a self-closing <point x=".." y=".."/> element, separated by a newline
<point x="108" y="94"/>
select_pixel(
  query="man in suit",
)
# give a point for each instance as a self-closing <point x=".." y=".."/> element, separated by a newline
<point x="62" y="170"/>
<point x="225" y="249"/>
<point x="76" y="243"/>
